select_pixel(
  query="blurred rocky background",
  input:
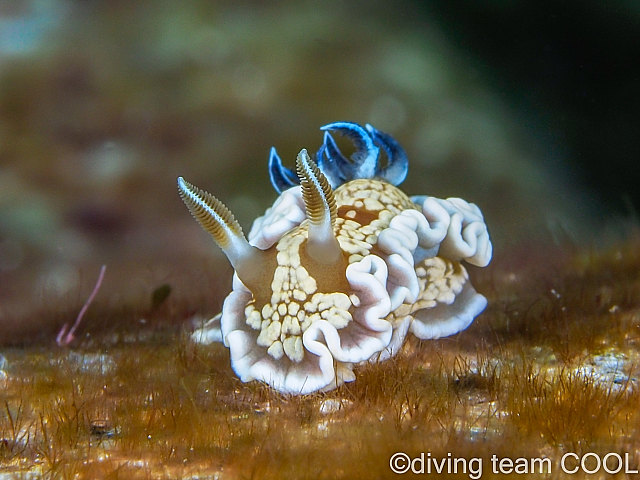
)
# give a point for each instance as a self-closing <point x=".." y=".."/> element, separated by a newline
<point x="528" y="108"/>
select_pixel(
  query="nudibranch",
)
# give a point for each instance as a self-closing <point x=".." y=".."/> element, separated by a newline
<point x="341" y="267"/>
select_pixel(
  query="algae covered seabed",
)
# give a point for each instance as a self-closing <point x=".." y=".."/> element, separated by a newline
<point x="550" y="368"/>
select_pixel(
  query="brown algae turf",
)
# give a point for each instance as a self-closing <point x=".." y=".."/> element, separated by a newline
<point x="550" y="368"/>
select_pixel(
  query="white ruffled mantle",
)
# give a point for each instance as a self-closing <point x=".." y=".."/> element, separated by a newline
<point x="388" y="286"/>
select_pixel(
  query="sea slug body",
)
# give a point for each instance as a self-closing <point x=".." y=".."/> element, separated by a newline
<point x="341" y="267"/>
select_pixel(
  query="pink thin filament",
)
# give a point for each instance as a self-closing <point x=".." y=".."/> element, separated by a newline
<point x="69" y="337"/>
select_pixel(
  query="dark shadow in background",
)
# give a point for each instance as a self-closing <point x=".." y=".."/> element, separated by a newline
<point x="572" y="69"/>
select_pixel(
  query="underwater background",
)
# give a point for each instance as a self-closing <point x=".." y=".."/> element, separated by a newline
<point x="529" y="109"/>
